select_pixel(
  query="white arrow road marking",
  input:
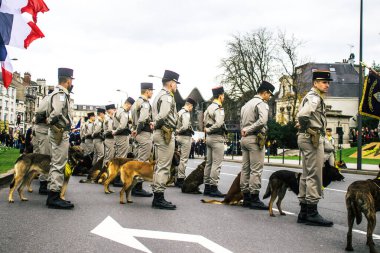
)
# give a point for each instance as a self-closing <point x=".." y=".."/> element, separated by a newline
<point x="112" y="230"/>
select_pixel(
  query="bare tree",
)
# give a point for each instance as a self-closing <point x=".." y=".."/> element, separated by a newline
<point x="289" y="59"/>
<point x="249" y="63"/>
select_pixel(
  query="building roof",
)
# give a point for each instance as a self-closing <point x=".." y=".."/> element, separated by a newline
<point x="345" y="76"/>
<point x="194" y="94"/>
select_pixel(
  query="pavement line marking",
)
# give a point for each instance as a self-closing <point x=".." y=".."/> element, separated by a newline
<point x="375" y="237"/>
<point x="330" y="189"/>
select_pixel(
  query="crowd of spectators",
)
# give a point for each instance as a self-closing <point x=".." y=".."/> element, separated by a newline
<point x="368" y="135"/>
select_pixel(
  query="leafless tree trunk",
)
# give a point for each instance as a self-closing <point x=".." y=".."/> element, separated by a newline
<point x="288" y="58"/>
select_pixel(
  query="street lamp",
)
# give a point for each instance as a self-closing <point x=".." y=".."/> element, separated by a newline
<point x="155" y="76"/>
<point x="126" y="94"/>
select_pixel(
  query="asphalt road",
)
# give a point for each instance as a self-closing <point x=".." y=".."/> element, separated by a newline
<point x="31" y="227"/>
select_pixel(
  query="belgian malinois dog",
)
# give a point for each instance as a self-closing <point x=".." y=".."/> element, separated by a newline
<point x="29" y="165"/>
<point x="363" y="197"/>
<point x="113" y="169"/>
<point x="133" y="172"/>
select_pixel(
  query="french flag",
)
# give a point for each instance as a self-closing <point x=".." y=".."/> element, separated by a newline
<point x="6" y="66"/>
<point x="18" y="29"/>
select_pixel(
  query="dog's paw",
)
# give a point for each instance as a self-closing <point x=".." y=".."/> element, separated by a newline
<point x="30" y="190"/>
<point x="11" y="201"/>
<point x="284" y="214"/>
<point x="122" y="202"/>
<point x="272" y="215"/>
<point x="129" y="201"/>
<point x="24" y="199"/>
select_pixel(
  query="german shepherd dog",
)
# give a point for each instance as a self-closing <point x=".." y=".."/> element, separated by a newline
<point x="282" y="180"/>
<point x="29" y="165"/>
<point x="363" y="197"/>
<point x="173" y="169"/>
<point x="279" y="182"/>
<point x="133" y="172"/>
<point x="94" y="173"/>
<point x="234" y="195"/>
<point x="194" y="180"/>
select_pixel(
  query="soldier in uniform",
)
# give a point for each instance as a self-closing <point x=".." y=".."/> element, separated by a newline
<point x="329" y="147"/>
<point x="88" y="131"/>
<point x="184" y="132"/>
<point x="165" y="122"/>
<point x="142" y="125"/>
<point x="109" y="141"/>
<point x="312" y="124"/>
<point x="254" y="118"/>
<point x="215" y="130"/>
<point x="59" y="121"/>
<point x="41" y="138"/>
<point x="97" y="135"/>
<point x="122" y="131"/>
<point x="82" y="135"/>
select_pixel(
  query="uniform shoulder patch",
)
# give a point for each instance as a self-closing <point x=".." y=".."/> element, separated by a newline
<point x="315" y="100"/>
<point x="222" y="111"/>
<point x="62" y="98"/>
<point x="146" y="106"/>
<point x="169" y="98"/>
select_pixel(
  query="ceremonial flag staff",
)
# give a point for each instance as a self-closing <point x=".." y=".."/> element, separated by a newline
<point x="359" y="118"/>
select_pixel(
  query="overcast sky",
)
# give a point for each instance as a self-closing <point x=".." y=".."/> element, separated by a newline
<point x="116" y="44"/>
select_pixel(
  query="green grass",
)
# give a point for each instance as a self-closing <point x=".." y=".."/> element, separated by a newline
<point x="8" y="157"/>
<point x="345" y="157"/>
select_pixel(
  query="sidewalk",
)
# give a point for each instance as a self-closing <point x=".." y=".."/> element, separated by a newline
<point x="370" y="169"/>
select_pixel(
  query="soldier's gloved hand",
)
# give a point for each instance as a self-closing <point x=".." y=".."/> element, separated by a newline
<point x="151" y="124"/>
<point x="113" y="132"/>
<point x="134" y="133"/>
<point x="243" y="133"/>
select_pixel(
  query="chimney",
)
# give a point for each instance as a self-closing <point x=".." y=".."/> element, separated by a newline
<point x="27" y="78"/>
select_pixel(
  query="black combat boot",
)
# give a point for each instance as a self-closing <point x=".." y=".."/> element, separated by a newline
<point x="117" y="182"/>
<point x="138" y="191"/>
<point x="179" y="182"/>
<point x="246" y="199"/>
<point x="313" y="218"/>
<point x="256" y="203"/>
<point x="206" y="191"/>
<point x="54" y="201"/>
<point x="302" y="215"/>
<point x="214" y="192"/>
<point x="43" y="188"/>
<point x="159" y="202"/>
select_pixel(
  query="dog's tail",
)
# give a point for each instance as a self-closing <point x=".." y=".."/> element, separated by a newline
<point x="268" y="192"/>
<point x="212" y="201"/>
<point x="12" y="183"/>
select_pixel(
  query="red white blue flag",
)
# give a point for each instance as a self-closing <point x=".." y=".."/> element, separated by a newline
<point x="18" y="29"/>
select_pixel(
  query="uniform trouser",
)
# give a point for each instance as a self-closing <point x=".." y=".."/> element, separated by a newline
<point x="109" y="150"/>
<point x="121" y="145"/>
<point x="331" y="158"/>
<point x="59" y="156"/>
<point x="164" y="155"/>
<point x="144" y="147"/>
<point x="90" y="145"/>
<point x="185" y="145"/>
<point x="214" y="158"/>
<point x="252" y="165"/>
<point x="42" y="147"/>
<point x="98" y="150"/>
<point x="312" y="162"/>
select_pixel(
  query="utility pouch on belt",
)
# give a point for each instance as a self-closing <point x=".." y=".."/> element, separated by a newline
<point x="57" y="134"/>
<point x="315" y="136"/>
<point x="167" y="134"/>
<point x="261" y="139"/>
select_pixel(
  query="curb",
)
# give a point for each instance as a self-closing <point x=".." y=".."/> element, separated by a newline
<point x="347" y="171"/>
<point x="6" y="178"/>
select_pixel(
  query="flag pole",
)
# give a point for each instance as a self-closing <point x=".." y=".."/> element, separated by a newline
<point x="359" y="118"/>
